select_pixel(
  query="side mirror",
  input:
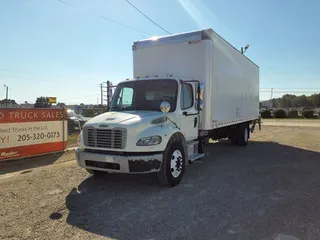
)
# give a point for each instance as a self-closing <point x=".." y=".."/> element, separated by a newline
<point x="165" y="107"/>
<point x="200" y="103"/>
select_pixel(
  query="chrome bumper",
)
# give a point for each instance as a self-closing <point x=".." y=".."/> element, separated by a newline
<point x="118" y="163"/>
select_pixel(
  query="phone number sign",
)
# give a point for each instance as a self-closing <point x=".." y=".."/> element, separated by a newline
<point x="29" y="132"/>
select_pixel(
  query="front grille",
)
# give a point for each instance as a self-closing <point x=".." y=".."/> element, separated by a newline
<point x="105" y="138"/>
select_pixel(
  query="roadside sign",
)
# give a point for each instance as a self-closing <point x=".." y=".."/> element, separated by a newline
<point x="28" y="132"/>
<point x="52" y="99"/>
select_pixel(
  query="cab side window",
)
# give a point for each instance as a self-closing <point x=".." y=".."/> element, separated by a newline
<point x="186" y="98"/>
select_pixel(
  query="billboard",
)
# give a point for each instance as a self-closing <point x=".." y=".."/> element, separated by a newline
<point x="29" y="132"/>
<point x="52" y="99"/>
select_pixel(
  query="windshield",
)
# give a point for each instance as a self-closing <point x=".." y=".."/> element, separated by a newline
<point x="144" y="95"/>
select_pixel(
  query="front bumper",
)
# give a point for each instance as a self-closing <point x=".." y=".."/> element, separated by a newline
<point x="119" y="163"/>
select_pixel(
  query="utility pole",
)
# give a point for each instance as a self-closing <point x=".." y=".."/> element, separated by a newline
<point x="101" y="97"/>
<point x="7" y="94"/>
<point x="108" y="93"/>
<point x="101" y="89"/>
<point x="108" y="90"/>
<point x="271" y="97"/>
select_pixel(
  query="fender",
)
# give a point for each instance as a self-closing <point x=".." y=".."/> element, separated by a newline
<point x="178" y="137"/>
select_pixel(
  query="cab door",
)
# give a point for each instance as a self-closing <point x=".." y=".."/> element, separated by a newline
<point x="189" y="115"/>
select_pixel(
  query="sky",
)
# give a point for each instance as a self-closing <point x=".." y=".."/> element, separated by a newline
<point x="67" y="48"/>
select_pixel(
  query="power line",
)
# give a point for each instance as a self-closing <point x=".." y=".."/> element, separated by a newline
<point x="105" y="18"/>
<point x="67" y="3"/>
<point x="147" y="17"/>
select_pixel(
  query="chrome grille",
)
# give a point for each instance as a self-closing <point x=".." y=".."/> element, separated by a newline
<point x="105" y="138"/>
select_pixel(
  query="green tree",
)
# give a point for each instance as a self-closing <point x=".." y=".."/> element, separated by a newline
<point x="8" y="101"/>
<point x="61" y="105"/>
<point x="289" y="100"/>
<point x="42" y="102"/>
<point x="303" y="101"/>
<point x="314" y="100"/>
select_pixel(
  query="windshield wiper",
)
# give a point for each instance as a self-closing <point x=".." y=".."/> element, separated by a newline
<point x="144" y="107"/>
<point x="130" y="108"/>
<point x="117" y="108"/>
<point x="134" y="107"/>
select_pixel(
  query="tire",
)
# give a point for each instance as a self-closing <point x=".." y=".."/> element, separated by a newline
<point x="243" y="135"/>
<point x="173" y="165"/>
<point x="96" y="173"/>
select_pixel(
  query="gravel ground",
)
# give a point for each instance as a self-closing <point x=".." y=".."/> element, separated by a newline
<point x="267" y="190"/>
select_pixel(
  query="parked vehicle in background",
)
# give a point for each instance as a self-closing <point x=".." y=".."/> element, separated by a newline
<point x="75" y="121"/>
<point x="187" y="88"/>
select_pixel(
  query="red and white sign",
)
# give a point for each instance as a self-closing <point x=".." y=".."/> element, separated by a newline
<point x="28" y="132"/>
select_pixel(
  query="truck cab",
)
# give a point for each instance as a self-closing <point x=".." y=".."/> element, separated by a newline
<point x="152" y="126"/>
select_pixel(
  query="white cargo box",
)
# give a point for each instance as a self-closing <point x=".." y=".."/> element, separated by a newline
<point x="231" y="80"/>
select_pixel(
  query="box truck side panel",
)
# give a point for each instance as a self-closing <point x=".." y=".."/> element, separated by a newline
<point x="235" y="87"/>
<point x="231" y="80"/>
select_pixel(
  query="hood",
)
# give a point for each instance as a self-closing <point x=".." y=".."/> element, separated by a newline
<point x="124" y="118"/>
<point x="76" y="118"/>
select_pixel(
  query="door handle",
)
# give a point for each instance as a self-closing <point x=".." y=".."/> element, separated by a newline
<point x="189" y="114"/>
<point x="195" y="122"/>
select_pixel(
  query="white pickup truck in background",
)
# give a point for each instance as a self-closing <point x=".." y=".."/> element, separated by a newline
<point x="187" y="88"/>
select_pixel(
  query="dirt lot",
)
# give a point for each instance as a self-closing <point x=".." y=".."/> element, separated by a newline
<point x="268" y="190"/>
<point x="292" y="122"/>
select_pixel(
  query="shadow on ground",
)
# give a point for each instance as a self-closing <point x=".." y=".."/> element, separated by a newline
<point x="28" y="163"/>
<point x="263" y="191"/>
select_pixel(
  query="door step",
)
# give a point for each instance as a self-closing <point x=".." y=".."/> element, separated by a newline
<point x="192" y="143"/>
<point x="195" y="156"/>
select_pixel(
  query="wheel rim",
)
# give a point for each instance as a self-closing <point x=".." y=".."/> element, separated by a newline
<point x="176" y="163"/>
<point x="246" y="135"/>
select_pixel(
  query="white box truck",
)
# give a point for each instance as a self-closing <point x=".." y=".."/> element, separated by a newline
<point x="187" y="88"/>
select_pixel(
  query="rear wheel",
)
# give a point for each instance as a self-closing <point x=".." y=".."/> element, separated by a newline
<point x="243" y="136"/>
<point x="173" y="165"/>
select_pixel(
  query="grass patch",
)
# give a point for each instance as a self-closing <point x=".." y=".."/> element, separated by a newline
<point x="298" y="119"/>
<point x="72" y="140"/>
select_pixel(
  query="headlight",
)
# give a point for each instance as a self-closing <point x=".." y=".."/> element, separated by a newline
<point x="149" y="141"/>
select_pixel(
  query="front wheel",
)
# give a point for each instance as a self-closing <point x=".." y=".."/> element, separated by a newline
<point x="173" y="166"/>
